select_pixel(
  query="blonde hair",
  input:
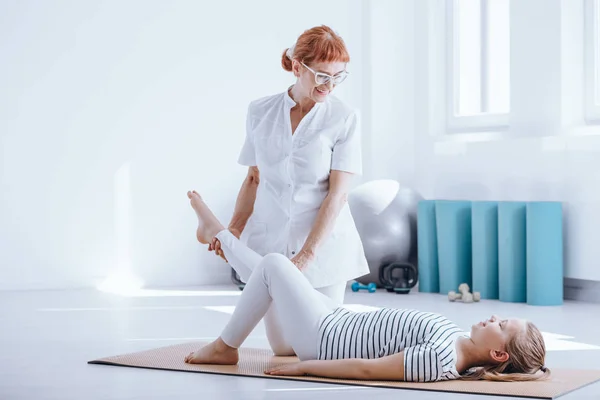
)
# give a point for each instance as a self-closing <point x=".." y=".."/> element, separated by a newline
<point x="527" y="353"/>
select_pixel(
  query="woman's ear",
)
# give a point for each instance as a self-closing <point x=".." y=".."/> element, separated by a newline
<point x="296" y="68"/>
<point x="499" y="356"/>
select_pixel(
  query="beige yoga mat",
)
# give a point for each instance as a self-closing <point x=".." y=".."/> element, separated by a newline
<point x="254" y="361"/>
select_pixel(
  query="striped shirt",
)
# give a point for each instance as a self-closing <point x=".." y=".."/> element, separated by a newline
<point x="428" y="340"/>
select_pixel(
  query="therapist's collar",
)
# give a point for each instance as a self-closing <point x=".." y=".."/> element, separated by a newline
<point x="290" y="102"/>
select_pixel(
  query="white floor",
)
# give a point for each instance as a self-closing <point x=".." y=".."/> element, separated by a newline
<point x="46" y="339"/>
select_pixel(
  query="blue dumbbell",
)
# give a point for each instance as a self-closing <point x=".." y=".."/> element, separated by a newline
<point x="371" y="287"/>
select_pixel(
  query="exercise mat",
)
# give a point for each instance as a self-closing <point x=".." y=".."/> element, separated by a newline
<point x="253" y="362"/>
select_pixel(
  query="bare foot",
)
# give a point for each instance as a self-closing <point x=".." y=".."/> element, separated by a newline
<point x="216" y="352"/>
<point x="208" y="224"/>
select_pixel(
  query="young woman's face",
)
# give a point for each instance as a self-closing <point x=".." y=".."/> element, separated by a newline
<point x="495" y="332"/>
<point x="315" y="84"/>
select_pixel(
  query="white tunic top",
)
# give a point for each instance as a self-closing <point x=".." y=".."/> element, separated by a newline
<point x="294" y="181"/>
<point x="428" y="340"/>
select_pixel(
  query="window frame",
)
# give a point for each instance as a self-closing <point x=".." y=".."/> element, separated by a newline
<point x="485" y="121"/>
<point x="591" y="61"/>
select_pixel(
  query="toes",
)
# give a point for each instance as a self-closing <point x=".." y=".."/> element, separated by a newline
<point x="192" y="194"/>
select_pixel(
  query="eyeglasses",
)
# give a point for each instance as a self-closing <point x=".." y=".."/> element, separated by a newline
<point x="322" y="78"/>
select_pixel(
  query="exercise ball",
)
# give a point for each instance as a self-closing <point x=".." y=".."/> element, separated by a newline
<point x="385" y="215"/>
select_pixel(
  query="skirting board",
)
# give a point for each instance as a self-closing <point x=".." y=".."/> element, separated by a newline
<point x="581" y="290"/>
<point x="574" y="289"/>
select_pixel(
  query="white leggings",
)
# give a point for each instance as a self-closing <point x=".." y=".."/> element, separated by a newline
<point x="274" y="286"/>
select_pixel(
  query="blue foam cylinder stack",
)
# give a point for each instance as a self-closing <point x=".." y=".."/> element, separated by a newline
<point x="427" y="247"/>
<point x="453" y="223"/>
<point x="484" y="228"/>
<point x="512" y="271"/>
<point x="544" y="254"/>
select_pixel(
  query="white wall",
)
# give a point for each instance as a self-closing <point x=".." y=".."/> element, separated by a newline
<point x="111" y="111"/>
<point x="548" y="153"/>
<point x="392" y="85"/>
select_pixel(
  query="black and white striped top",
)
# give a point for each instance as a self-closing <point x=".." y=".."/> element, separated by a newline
<point x="428" y="340"/>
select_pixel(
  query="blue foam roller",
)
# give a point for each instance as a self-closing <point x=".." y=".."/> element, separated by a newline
<point x="427" y="248"/>
<point x="545" y="271"/>
<point x="484" y="228"/>
<point x="453" y="223"/>
<point x="512" y="271"/>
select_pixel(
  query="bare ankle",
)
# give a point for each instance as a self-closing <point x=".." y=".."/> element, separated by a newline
<point x="216" y="230"/>
<point x="222" y="346"/>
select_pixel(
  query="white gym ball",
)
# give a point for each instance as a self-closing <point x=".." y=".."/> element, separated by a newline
<point x="385" y="215"/>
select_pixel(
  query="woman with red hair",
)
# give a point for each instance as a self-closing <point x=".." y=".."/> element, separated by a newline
<point x="302" y="148"/>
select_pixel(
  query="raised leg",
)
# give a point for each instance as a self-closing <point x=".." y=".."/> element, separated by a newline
<point x="245" y="261"/>
<point x="242" y="259"/>
<point x="275" y="281"/>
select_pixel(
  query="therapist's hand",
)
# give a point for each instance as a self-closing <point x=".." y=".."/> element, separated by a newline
<point x="302" y="259"/>
<point x="215" y="244"/>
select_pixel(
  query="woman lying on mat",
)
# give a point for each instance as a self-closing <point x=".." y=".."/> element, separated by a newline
<point x="387" y="344"/>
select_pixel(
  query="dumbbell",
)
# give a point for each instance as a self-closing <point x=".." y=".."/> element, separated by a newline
<point x="371" y="287"/>
<point x="464" y="294"/>
<point x="463" y="288"/>
<point x="453" y="296"/>
<point x="465" y="297"/>
<point x="471" y="297"/>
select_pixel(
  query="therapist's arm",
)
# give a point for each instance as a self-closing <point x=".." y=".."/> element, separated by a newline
<point x="339" y="186"/>
<point x="244" y="207"/>
<point x="244" y="204"/>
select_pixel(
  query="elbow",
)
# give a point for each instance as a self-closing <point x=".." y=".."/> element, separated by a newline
<point x="344" y="198"/>
<point x="252" y="181"/>
<point x="365" y="371"/>
<point x="375" y="371"/>
<point x="252" y="178"/>
<point x="339" y="198"/>
<point x="367" y="374"/>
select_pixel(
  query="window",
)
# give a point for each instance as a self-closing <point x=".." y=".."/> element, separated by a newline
<point x="478" y="59"/>
<point x="592" y="61"/>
